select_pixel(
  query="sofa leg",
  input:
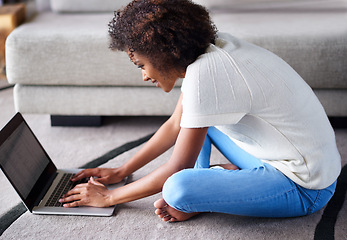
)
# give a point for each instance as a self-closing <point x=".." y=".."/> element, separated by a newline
<point x="338" y="122"/>
<point x="76" y="121"/>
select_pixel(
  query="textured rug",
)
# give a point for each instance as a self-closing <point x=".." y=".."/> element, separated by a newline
<point x="110" y="146"/>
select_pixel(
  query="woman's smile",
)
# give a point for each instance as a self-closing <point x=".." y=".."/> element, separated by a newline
<point x="165" y="81"/>
<point x="155" y="82"/>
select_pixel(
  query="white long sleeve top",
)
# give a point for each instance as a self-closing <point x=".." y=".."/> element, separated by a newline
<point x="265" y="107"/>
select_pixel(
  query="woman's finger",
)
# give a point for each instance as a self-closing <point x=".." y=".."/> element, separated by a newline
<point x="70" y="198"/>
<point x="95" y="182"/>
<point x="76" y="190"/>
<point x="73" y="204"/>
<point x="83" y="174"/>
<point x="79" y="176"/>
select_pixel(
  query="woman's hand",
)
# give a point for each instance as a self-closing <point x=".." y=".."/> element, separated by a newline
<point x="105" y="175"/>
<point x="92" y="194"/>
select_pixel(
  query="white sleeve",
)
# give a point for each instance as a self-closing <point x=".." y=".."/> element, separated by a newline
<point x="214" y="93"/>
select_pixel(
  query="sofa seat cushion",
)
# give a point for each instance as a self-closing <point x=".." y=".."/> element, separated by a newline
<point x="97" y="101"/>
<point x="313" y="43"/>
<point x="126" y="101"/>
<point x="282" y="5"/>
<point x="87" y="6"/>
<point x="68" y="49"/>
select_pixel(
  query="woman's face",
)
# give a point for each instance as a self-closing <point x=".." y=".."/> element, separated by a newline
<point x="164" y="80"/>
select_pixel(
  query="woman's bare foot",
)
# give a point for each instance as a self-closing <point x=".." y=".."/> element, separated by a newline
<point x="228" y="166"/>
<point x="167" y="213"/>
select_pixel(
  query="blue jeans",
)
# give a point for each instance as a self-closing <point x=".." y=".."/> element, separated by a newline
<point x="257" y="189"/>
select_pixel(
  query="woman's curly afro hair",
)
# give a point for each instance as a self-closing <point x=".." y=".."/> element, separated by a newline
<point x="170" y="33"/>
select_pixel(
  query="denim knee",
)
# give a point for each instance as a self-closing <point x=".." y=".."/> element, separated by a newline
<point x="319" y="198"/>
<point x="176" y="190"/>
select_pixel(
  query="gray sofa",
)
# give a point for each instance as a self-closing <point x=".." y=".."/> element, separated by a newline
<point x="60" y="63"/>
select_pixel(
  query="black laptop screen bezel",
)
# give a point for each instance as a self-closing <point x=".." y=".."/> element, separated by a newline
<point x="39" y="189"/>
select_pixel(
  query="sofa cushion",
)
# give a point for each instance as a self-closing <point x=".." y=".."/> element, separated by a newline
<point x="79" y="100"/>
<point x="228" y="3"/>
<point x="314" y="44"/>
<point x="252" y="5"/>
<point x="111" y="5"/>
<point x="87" y="5"/>
<point x="67" y="49"/>
<point x="101" y="100"/>
<point x="42" y="5"/>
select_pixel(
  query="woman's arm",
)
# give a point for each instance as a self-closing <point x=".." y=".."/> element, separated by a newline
<point x="187" y="148"/>
<point x="186" y="151"/>
<point x="159" y="143"/>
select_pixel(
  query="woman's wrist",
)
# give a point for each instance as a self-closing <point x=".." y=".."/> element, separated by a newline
<point x="122" y="172"/>
<point x="111" y="198"/>
<point x="116" y="196"/>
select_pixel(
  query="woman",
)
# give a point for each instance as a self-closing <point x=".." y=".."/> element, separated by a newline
<point x="243" y="99"/>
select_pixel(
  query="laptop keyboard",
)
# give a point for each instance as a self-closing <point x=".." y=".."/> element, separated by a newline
<point x="63" y="187"/>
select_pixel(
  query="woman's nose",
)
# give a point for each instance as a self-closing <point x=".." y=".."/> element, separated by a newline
<point x="144" y="76"/>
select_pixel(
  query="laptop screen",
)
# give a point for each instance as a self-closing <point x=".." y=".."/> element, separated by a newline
<point x="23" y="160"/>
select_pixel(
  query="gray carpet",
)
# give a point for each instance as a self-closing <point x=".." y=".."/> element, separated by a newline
<point x="111" y="145"/>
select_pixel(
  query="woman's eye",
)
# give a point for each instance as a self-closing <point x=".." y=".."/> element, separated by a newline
<point x="140" y="66"/>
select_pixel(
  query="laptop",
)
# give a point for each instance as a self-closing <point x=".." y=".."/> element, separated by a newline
<point x="34" y="176"/>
